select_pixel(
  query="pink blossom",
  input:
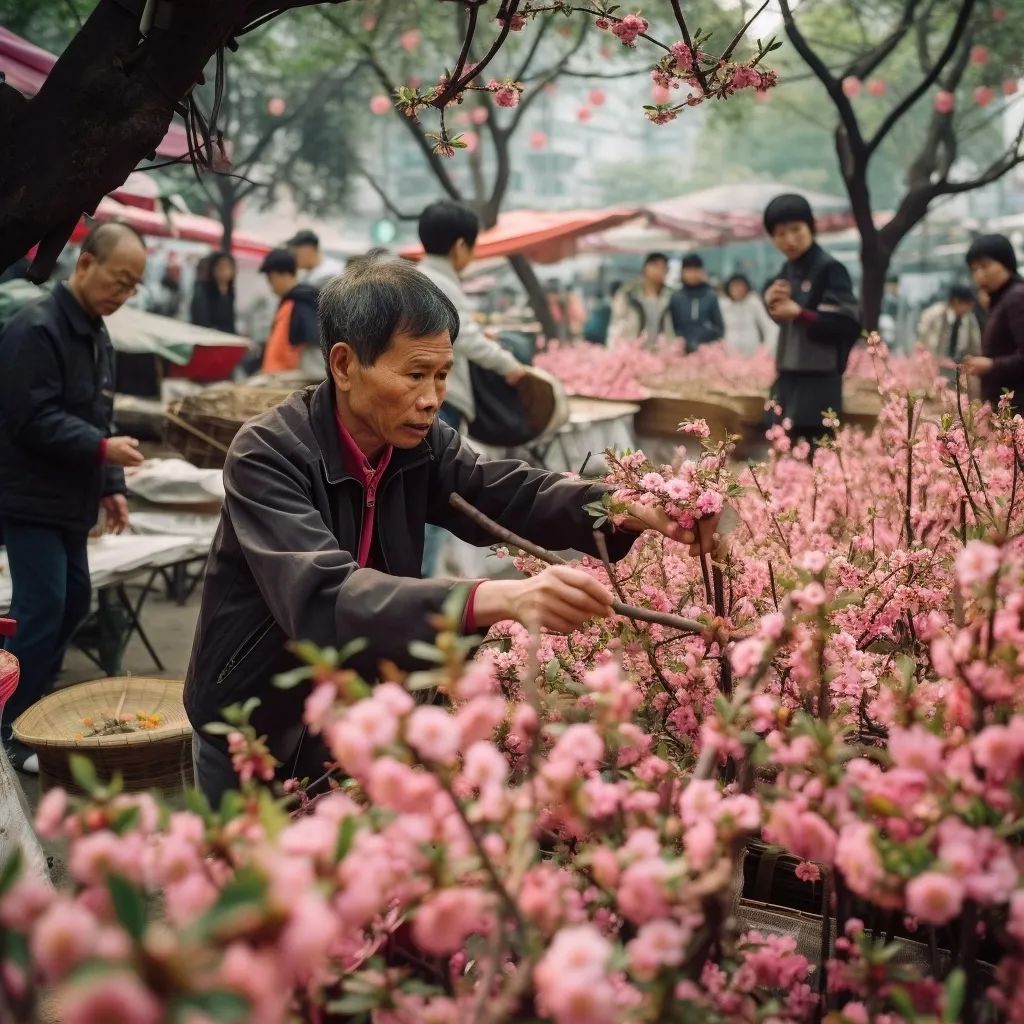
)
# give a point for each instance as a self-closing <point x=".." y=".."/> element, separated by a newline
<point x="747" y="655"/>
<point x="484" y="766"/>
<point x="111" y="997"/>
<point x="507" y="93"/>
<point x="446" y="918"/>
<point x="700" y="841"/>
<point x="807" y="872"/>
<point x="318" y="707"/>
<point x="695" y="428"/>
<point x="997" y="749"/>
<point x="710" y="503"/>
<point x="934" y="898"/>
<point x="433" y="733"/>
<point x="62" y="938"/>
<point x="916" y="748"/>
<point x="629" y="29"/>
<point x="51" y="812"/>
<point x="657" y="944"/>
<point x="580" y="744"/>
<point x="977" y="563"/>
<point x="307" y="938"/>
<point x="804" y="833"/>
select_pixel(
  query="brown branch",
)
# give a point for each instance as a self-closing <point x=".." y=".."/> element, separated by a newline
<point x="384" y="197"/>
<point x="868" y="62"/>
<point x="460" y="504"/>
<point x="908" y="101"/>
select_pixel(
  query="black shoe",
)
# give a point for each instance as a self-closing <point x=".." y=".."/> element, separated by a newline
<point x="22" y="758"/>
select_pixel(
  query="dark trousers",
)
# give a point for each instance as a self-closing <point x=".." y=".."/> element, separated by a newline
<point x="50" y="576"/>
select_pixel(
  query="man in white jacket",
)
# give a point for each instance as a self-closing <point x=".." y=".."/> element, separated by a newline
<point x="448" y="232"/>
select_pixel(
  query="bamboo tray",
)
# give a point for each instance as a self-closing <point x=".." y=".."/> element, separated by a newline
<point x="159" y="758"/>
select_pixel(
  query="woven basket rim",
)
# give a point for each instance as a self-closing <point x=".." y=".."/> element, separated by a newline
<point x="140" y="738"/>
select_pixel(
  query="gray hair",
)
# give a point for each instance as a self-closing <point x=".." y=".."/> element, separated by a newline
<point x="375" y="299"/>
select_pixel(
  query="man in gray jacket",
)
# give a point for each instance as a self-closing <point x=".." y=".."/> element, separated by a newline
<point x="326" y="499"/>
<point x="448" y="233"/>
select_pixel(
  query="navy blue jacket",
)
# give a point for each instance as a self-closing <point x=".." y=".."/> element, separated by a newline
<point x="56" y="406"/>
<point x="696" y="315"/>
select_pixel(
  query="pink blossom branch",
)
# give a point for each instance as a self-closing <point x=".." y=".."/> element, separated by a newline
<point x="629" y="611"/>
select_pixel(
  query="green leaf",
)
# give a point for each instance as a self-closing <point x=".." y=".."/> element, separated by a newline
<point x="218" y="728"/>
<point x="11" y="870"/>
<point x="426" y="652"/>
<point x="345" y="836"/>
<point x="354" y="1004"/>
<point x="196" y="802"/>
<point x="900" y="999"/>
<point x="292" y="678"/>
<point x="352" y="648"/>
<point x="129" y="905"/>
<point x="220" y="1005"/>
<point x="956" y="994"/>
<point x="84" y="773"/>
<point x="314" y="655"/>
<point x="246" y="889"/>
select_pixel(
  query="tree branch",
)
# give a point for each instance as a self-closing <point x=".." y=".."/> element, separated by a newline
<point x="384" y="197"/>
<point x="908" y="101"/>
<point x="868" y="62"/>
<point x="832" y="85"/>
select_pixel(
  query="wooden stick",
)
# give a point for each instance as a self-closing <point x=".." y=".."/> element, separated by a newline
<point x="179" y="422"/>
<point x="629" y="611"/>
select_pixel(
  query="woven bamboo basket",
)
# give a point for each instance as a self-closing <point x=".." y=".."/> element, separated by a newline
<point x="861" y="410"/>
<point x="660" y="416"/>
<point x="202" y="426"/>
<point x="158" y="758"/>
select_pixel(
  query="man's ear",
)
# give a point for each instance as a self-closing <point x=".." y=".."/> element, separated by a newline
<point x="342" y="362"/>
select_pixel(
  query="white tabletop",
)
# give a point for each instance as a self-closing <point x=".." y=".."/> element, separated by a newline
<point x="113" y="559"/>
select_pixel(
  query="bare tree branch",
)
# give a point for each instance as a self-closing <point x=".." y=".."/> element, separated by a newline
<point x="868" y="62"/>
<point x="384" y="197"/>
<point x="901" y="108"/>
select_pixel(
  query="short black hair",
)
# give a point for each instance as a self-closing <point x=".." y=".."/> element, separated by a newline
<point x="304" y="237"/>
<point x="961" y="293"/>
<point x="443" y="223"/>
<point x="377" y="298"/>
<point x="103" y="239"/>
<point x="281" y="261"/>
<point x="655" y="257"/>
<point x="741" y="278"/>
<point x="693" y="260"/>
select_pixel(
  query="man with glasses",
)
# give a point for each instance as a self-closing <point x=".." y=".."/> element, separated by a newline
<point x="58" y="461"/>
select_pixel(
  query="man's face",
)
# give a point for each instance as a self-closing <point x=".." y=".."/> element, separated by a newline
<point x="104" y="287"/>
<point x="396" y="399"/>
<point x="280" y="283"/>
<point x="306" y="256"/>
<point x="989" y="274"/>
<point x="793" y="238"/>
<point x="694" y="275"/>
<point x="655" y="273"/>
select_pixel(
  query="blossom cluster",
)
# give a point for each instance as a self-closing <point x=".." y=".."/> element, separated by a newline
<point x="554" y="828"/>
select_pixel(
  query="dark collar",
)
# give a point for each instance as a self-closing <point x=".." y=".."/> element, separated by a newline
<point x="81" y="322"/>
<point x="325" y="429"/>
<point x="997" y="296"/>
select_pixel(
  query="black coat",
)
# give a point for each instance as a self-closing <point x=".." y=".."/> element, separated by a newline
<point x="56" y="406"/>
<point x="211" y="308"/>
<point x="283" y="566"/>
<point x="1003" y="342"/>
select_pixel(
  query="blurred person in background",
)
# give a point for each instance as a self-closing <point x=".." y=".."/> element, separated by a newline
<point x="640" y="309"/>
<point x="599" y="320"/>
<point x="294" y="340"/>
<point x="812" y="301"/>
<point x="696" y="314"/>
<point x="949" y="329"/>
<point x="748" y="326"/>
<point x="213" y="297"/>
<point x="59" y="462"/>
<point x="314" y="267"/>
<point x="993" y="264"/>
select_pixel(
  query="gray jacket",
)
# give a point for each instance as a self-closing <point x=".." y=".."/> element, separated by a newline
<point x="282" y="566"/>
<point x="471" y="345"/>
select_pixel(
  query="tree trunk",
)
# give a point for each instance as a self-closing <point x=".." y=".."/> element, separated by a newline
<point x="103" y="108"/>
<point x="535" y="293"/>
<point x="874" y="262"/>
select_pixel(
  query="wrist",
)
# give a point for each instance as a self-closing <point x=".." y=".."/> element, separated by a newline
<point x="492" y="602"/>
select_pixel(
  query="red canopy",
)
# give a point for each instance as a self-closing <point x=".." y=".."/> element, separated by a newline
<point x="545" y="236"/>
<point x="26" y="67"/>
<point x="188" y="226"/>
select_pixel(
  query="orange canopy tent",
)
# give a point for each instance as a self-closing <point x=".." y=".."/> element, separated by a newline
<point x="545" y="236"/>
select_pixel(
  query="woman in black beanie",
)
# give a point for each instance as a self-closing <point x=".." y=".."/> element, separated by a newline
<point x="993" y="266"/>
<point x="812" y="301"/>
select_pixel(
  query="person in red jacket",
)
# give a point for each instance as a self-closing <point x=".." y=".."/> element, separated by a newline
<point x="993" y="266"/>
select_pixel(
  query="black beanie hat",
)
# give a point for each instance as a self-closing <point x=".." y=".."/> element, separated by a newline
<point x="692" y="260"/>
<point x="995" y="247"/>
<point x="786" y="208"/>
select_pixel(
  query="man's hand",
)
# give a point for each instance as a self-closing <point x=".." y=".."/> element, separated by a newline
<point x="783" y="309"/>
<point x="703" y="540"/>
<point x="116" y="508"/>
<point x="777" y="291"/>
<point x="515" y="375"/>
<point x="559" y="599"/>
<point x="978" y="366"/>
<point x="124" y="451"/>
